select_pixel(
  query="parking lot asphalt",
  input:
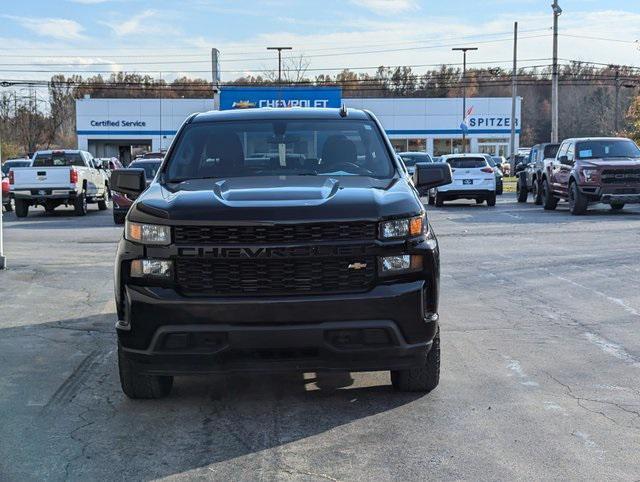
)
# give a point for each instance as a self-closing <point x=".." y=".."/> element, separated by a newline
<point x="540" y="316"/>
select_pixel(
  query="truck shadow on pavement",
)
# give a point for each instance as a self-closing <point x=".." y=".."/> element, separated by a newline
<point x="100" y="434"/>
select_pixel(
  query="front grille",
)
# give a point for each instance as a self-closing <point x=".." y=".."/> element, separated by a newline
<point x="278" y="233"/>
<point x="620" y="176"/>
<point x="273" y="276"/>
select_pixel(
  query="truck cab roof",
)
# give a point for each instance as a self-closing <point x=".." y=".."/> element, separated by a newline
<point x="288" y="113"/>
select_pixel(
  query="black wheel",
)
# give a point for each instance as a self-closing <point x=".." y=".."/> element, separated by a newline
<point x="105" y="202"/>
<point x="22" y="208"/>
<point x="549" y="201"/>
<point x="8" y="207"/>
<point x="491" y="199"/>
<point x="500" y="191"/>
<point x="80" y="204"/>
<point x="479" y="201"/>
<point x="521" y="189"/>
<point x="537" y="193"/>
<point x="617" y="206"/>
<point x="578" y="202"/>
<point x="421" y="379"/>
<point x="432" y="200"/>
<point x="439" y="201"/>
<point x="138" y="385"/>
<point x="118" y="218"/>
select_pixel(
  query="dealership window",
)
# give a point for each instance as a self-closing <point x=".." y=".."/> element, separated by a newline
<point x="417" y="145"/>
<point x="496" y="147"/>
<point x="399" y="145"/>
<point x="442" y="147"/>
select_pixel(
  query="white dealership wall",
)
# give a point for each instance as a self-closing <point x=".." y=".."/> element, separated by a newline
<point x="420" y="124"/>
<point x="134" y="120"/>
<point x="431" y="120"/>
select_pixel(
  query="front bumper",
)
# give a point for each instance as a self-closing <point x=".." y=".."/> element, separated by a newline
<point x="609" y="195"/>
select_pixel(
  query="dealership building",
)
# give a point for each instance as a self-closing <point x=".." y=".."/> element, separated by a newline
<point x="123" y="127"/>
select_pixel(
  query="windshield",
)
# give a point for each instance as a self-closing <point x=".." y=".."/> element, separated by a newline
<point x="411" y="160"/>
<point x="58" y="159"/>
<point x="150" y="168"/>
<point x="10" y="164"/>
<point x="490" y="161"/>
<point x="279" y="147"/>
<point x="604" y="149"/>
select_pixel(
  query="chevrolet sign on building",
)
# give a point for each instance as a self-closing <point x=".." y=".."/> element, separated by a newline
<point x="256" y="97"/>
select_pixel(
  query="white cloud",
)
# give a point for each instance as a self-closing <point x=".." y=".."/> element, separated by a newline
<point x="146" y="22"/>
<point x="383" y="7"/>
<point x="58" y="28"/>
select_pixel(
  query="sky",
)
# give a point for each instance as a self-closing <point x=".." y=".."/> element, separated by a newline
<point x="174" y="37"/>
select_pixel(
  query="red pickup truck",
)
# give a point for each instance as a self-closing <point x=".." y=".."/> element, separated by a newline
<point x="592" y="170"/>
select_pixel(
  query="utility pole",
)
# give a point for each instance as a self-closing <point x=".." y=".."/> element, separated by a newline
<point x="616" y="110"/>
<point x="514" y="93"/>
<point x="464" y="51"/>
<point x="279" y="49"/>
<point x="3" y="259"/>
<point x="554" y="79"/>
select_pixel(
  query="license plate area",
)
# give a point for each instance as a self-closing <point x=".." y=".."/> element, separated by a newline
<point x="467" y="182"/>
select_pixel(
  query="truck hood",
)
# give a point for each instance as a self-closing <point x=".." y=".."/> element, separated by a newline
<point x="621" y="162"/>
<point x="278" y="198"/>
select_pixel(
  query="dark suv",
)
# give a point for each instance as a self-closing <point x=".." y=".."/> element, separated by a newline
<point x="278" y="239"/>
<point x="592" y="170"/>
<point x="530" y="179"/>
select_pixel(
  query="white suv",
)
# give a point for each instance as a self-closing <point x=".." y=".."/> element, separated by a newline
<point x="473" y="178"/>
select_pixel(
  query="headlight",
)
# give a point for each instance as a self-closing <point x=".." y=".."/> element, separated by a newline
<point x="395" y="265"/>
<point x="151" y="268"/>
<point x="589" y="174"/>
<point x="148" y="233"/>
<point x="402" y="228"/>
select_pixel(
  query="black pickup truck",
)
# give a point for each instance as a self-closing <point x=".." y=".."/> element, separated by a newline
<point x="278" y="239"/>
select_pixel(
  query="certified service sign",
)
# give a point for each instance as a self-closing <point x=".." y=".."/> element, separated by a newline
<point x="256" y="97"/>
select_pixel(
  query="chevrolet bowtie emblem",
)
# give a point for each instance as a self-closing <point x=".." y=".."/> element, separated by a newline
<point x="357" y="265"/>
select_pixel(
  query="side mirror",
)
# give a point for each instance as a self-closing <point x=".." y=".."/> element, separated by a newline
<point x="128" y="181"/>
<point x="564" y="160"/>
<point x="432" y="174"/>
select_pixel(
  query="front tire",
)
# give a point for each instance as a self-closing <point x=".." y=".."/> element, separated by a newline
<point x="103" y="204"/>
<point x="439" y="201"/>
<point x="521" y="189"/>
<point x="118" y="218"/>
<point x="549" y="201"/>
<point x="22" y="208"/>
<point x="537" y="193"/>
<point x="80" y="204"/>
<point x="578" y="202"/>
<point x="423" y="378"/>
<point x="8" y="207"/>
<point x="617" y="206"/>
<point x="136" y="385"/>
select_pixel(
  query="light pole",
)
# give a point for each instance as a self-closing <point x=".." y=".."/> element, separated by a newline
<point x="279" y="49"/>
<point x="3" y="259"/>
<point x="464" y="51"/>
<point x="557" y="11"/>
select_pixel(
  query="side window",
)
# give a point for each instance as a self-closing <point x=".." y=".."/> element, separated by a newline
<point x="571" y="152"/>
<point x="562" y="151"/>
<point x="533" y="157"/>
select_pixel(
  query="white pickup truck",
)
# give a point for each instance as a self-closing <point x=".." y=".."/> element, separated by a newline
<point x="67" y="177"/>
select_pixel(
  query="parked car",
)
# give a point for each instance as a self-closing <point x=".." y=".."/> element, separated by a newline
<point x="520" y="160"/>
<point x="224" y="253"/>
<point x="497" y="172"/>
<point x="59" y="177"/>
<point x="121" y="202"/>
<point x="592" y="170"/>
<point x="410" y="159"/>
<point x="150" y="155"/>
<point x="11" y="163"/>
<point x="6" y="196"/>
<point x="473" y="178"/>
<point x="503" y="164"/>
<point x="530" y="179"/>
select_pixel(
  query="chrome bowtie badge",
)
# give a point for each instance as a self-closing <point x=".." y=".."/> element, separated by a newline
<point x="357" y="265"/>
